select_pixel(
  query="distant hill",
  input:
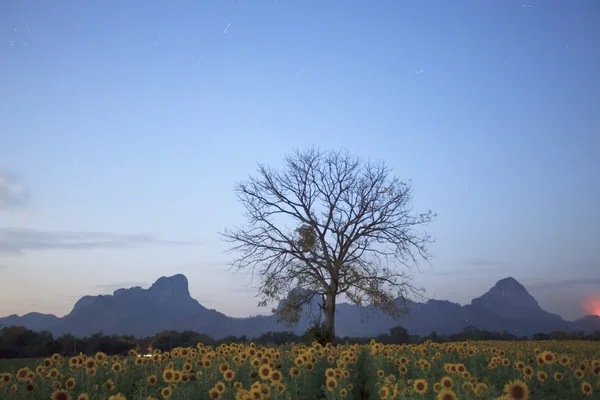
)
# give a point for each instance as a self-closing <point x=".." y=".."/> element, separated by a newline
<point x="167" y="305"/>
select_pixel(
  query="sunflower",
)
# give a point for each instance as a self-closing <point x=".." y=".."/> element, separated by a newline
<point x="275" y="376"/>
<point x="100" y="357"/>
<point x="53" y="373"/>
<point x="152" y="379"/>
<point x="420" y="386"/>
<point x="343" y="392"/>
<point x="549" y="357"/>
<point x="117" y="396"/>
<point x="294" y="371"/>
<point x="516" y="390"/>
<point x="177" y="376"/>
<point x="108" y="385"/>
<point x="22" y="374"/>
<point x="220" y="386"/>
<point x="264" y="371"/>
<point x="384" y="392"/>
<point x="519" y="365"/>
<point x="166" y="392"/>
<point x="5" y="378"/>
<point x="541" y="376"/>
<point x="60" y="394"/>
<point x="70" y="383"/>
<point x="213" y="393"/>
<point x="447" y="382"/>
<point x="446" y="394"/>
<point x="228" y="375"/>
<point x="83" y="396"/>
<point x="117" y="367"/>
<point x="331" y="383"/>
<point x="266" y="391"/>
<point x="480" y="388"/>
<point x="256" y="394"/>
<point x="168" y="375"/>
<point x="587" y="388"/>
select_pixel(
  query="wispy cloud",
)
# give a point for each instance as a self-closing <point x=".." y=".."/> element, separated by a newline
<point x="2" y="267"/>
<point x="565" y="283"/>
<point x="13" y="193"/>
<point x="18" y="240"/>
<point x="482" y="262"/>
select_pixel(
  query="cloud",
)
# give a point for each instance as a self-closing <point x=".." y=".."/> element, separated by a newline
<point x="565" y="283"/>
<point x="13" y="193"/>
<point x="17" y="240"/>
<point x="2" y="267"/>
<point x="482" y="262"/>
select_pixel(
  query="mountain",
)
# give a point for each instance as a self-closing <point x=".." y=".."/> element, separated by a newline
<point x="167" y="305"/>
<point x="509" y="299"/>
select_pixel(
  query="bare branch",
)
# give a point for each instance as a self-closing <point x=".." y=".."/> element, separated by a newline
<point x="330" y="224"/>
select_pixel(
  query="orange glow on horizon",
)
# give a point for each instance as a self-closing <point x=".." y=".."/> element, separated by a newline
<point x="592" y="306"/>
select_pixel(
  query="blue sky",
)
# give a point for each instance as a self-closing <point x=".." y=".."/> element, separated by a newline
<point x="135" y="119"/>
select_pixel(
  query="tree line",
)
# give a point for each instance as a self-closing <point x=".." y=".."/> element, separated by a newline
<point x="20" y="342"/>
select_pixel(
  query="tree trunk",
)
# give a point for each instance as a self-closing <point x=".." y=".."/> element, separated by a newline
<point x="329" y="317"/>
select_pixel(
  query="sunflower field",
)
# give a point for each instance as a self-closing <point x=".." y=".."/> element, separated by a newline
<point x="441" y="371"/>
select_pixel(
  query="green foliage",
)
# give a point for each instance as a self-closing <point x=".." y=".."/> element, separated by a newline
<point x="315" y="333"/>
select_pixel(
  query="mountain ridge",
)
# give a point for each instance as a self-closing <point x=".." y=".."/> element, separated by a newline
<point x="168" y="305"/>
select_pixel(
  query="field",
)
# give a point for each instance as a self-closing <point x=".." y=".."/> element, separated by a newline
<point x="462" y="370"/>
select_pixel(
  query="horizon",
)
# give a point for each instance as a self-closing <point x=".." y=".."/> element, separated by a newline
<point x="124" y="130"/>
<point x="593" y="307"/>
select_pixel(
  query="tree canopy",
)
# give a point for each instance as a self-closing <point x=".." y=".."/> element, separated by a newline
<point x="331" y="224"/>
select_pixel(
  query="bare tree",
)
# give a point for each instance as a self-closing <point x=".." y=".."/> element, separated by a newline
<point x="330" y="224"/>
